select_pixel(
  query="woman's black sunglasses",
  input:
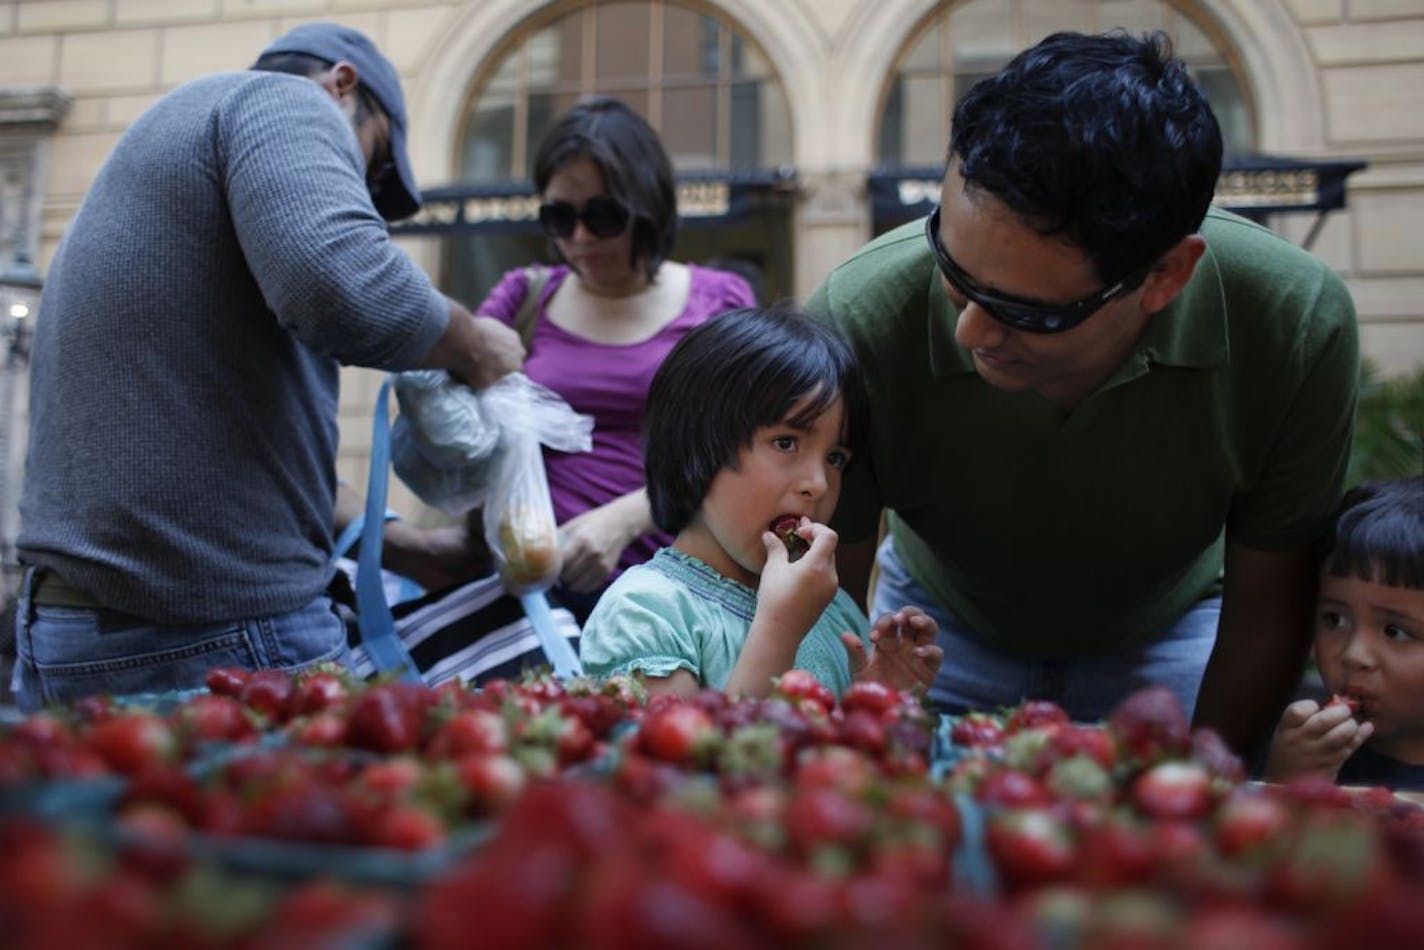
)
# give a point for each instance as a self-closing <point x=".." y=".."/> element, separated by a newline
<point x="603" y="217"/>
<point x="1022" y="314"/>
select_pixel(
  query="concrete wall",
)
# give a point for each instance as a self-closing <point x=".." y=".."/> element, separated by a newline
<point x="1331" y="79"/>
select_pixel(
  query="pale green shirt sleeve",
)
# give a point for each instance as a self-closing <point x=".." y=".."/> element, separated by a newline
<point x="643" y="623"/>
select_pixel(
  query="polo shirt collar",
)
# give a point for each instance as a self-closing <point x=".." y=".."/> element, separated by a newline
<point x="1190" y="332"/>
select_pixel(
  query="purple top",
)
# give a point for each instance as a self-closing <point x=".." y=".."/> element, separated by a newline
<point x="608" y="381"/>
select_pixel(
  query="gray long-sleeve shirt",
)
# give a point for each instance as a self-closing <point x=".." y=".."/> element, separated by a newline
<point x="184" y="373"/>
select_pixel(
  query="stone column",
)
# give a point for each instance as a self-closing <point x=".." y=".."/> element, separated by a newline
<point x="28" y="116"/>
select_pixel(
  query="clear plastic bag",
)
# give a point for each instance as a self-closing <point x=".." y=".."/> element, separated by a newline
<point x="459" y="449"/>
<point x="444" y="443"/>
<point x="518" y="514"/>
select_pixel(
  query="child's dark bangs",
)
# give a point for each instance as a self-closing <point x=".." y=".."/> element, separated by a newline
<point x="1380" y="551"/>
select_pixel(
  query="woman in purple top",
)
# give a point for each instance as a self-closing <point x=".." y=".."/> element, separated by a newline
<point x="605" y="319"/>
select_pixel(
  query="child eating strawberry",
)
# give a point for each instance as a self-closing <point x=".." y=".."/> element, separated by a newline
<point x="1369" y="645"/>
<point x="752" y="419"/>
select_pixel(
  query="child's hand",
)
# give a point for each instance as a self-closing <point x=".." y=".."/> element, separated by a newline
<point x="790" y="599"/>
<point x="1314" y="740"/>
<point x="903" y="652"/>
<point x="792" y="595"/>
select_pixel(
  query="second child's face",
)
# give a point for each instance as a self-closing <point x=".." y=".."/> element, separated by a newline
<point x="1369" y="644"/>
<point x="788" y="470"/>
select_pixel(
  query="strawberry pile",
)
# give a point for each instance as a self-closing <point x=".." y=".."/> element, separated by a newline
<point x="63" y="890"/>
<point x="1142" y="830"/>
<point x="392" y="765"/>
<point x="580" y="813"/>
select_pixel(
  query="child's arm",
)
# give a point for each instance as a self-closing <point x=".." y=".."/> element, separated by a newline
<point x="790" y="599"/>
<point x="903" y="652"/>
<point x="1314" y="740"/>
<point x="680" y="683"/>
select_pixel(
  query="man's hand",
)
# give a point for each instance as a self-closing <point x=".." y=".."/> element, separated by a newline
<point x="476" y="350"/>
<point x="1314" y="740"/>
<point x="494" y="351"/>
<point x="435" y="558"/>
<point x="903" y="653"/>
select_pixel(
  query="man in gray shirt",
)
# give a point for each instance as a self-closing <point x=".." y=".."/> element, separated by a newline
<point x="231" y="254"/>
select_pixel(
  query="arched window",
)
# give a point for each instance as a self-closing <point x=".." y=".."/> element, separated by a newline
<point x="964" y="42"/>
<point x="708" y="89"/>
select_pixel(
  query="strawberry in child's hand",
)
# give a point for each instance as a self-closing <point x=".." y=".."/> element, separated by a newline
<point x="785" y="527"/>
<point x="1341" y="700"/>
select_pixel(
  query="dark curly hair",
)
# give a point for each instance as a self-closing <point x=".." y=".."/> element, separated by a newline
<point x="636" y="169"/>
<point x="1379" y="534"/>
<point x="1104" y="140"/>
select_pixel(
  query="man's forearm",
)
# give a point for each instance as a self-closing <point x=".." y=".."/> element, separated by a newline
<point x="1261" y="645"/>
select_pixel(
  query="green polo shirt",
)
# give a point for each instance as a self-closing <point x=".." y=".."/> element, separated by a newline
<point x="1057" y="535"/>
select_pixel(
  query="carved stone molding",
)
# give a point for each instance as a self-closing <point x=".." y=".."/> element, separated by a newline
<point x="43" y="106"/>
<point x="28" y="117"/>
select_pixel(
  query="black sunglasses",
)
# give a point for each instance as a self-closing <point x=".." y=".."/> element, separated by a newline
<point x="603" y="217"/>
<point x="1023" y="314"/>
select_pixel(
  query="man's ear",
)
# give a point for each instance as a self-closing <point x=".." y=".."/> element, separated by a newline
<point x="340" y="80"/>
<point x="1172" y="273"/>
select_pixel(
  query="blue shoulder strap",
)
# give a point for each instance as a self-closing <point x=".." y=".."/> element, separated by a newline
<point x="378" y="629"/>
<point x="373" y="614"/>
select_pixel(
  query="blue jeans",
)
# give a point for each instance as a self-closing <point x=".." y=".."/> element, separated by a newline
<point x="64" y="653"/>
<point x="975" y="676"/>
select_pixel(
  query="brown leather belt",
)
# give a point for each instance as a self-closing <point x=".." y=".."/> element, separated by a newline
<point x="50" y="590"/>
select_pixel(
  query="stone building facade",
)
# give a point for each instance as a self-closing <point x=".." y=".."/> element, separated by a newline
<point x="835" y="91"/>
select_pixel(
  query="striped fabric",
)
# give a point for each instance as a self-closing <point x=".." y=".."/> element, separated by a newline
<point x="474" y="633"/>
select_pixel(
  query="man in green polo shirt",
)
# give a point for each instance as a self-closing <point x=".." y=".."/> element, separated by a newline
<point x="1108" y="424"/>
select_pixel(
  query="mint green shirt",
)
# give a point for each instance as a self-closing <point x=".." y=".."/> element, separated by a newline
<point x="1056" y="535"/>
<point x="676" y="613"/>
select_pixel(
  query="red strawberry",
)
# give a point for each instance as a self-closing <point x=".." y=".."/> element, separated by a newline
<point x="1094" y="742"/>
<point x="1339" y="700"/>
<point x="322" y="730"/>
<point x="680" y="733"/>
<point x="1116" y="852"/>
<point x="268" y="692"/>
<point x="1036" y="714"/>
<point x="1013" y="789"/>
<point x="317" y="691"/>
<point x="471" y="730"/>
<point x="863" y="731"/>
<point x="871" y="696"/>
<point x="408" y="827"/>
<point x="227" y="680"/>
<point x="1249" y="820"/>
<point x="213" y="718"/>
<point x="384" y="719"/>
<point x="797" y="685"/>
<point x="820" y="816"/>
<point x="1175" y="790"/>
<point x="40" y="730"/>
<point x="1030" y="847"/>
<point x="132" y="742"/>
<point x="977" y="730"/>
<point x="1150" y="724"/>
<point x="786" y="528"/>
<point x="493" y="782"/>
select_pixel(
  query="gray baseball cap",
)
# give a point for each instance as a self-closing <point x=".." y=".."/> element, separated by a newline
<point x="397" y="196"/>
